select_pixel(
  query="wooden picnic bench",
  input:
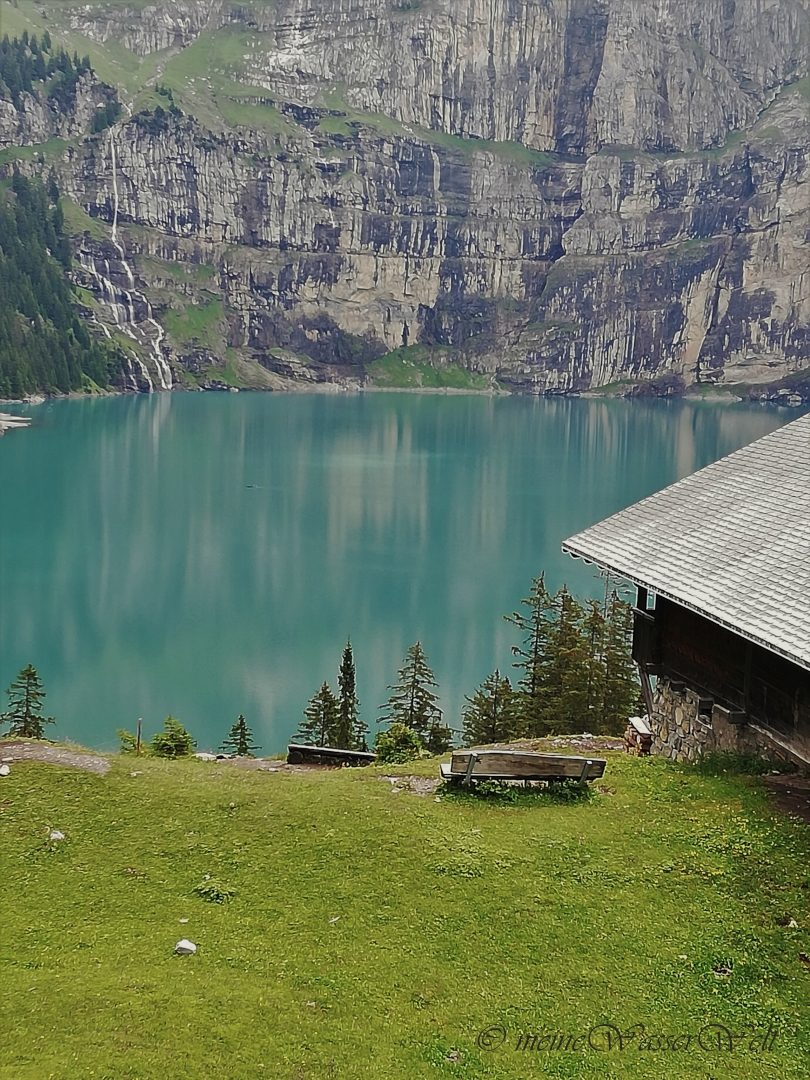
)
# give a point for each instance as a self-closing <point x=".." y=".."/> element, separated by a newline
<point x="466" y="766"/>
<point x="302" y="754"/>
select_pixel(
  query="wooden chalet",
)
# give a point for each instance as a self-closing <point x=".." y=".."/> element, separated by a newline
<point x="721" y="564"/>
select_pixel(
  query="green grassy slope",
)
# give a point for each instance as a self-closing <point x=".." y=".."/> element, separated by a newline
<point x="375" y="933"/>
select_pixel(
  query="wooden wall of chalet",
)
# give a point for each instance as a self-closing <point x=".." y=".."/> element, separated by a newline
<point x="733" y="671"/>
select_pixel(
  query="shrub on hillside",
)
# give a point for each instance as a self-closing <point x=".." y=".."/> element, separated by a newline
<point x="174" y="741"/>
<point x="398" y="744"/>
<point x="129" y="742"/>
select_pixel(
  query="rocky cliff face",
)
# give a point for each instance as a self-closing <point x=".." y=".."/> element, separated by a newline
<point x="565" y="75"/>
<point x="37" y="118"/>
<point x="559" y="194"/>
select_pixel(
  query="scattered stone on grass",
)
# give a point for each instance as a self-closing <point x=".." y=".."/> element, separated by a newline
<point x="414" y="785"/>
<point x="184" y="947"/>
<point x="4" y="770"/>
<point x="55" y="834"/>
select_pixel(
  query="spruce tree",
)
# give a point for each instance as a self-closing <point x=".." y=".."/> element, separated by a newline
<point x="565" y="693"/>
<point x="534" y="622"/>
<point x="593" y="629"/>
<point x="24" y="713"/>
<point x="173" y="741"/>
<point x="620" y="698"/>
<point x="413" y="702"/>
<point x="439" y="736"/>
<point x="240" y="739"/>
<point x="320" y="719"/>
<point x="490" y="713"/>
<point x="351" y="731"/>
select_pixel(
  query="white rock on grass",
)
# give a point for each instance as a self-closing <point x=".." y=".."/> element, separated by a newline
<point x="4" y="770"/>
<point x="54" y="834"/>
<point x="185" y="947"/>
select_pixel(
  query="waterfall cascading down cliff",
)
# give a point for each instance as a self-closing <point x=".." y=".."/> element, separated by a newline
<point x="121" y="301"/>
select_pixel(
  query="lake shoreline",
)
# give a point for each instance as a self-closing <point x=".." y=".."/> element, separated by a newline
<point x="8" y="422"/>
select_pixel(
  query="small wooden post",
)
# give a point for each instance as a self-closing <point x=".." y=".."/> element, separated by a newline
<point x="646" y="688"/>
<point x="138" y="737"/>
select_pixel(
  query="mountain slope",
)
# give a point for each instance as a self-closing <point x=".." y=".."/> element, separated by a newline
<point x="554" y="196"/>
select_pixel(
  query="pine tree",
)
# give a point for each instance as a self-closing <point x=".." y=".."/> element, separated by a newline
<point x="240" y="739"/>
<point x="321" y="719"/>
<point x="413" y="702"/>
<point x="490" y="715"/>
<point x="620" y="698"/>
<point x="439" y="737"/>
<point x="173" y="741"/>
<point x="565" y="693"/>
<point x="532" y="654"/>
<point x="593" y="629"/>
<point x="351" y="731"/>
<point x="24" y="713"/>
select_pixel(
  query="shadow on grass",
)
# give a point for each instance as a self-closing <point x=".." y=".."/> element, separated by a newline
<point x="503" y="793"/>
<point x="729" y="762"/>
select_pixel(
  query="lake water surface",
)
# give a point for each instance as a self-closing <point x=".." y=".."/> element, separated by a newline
<point x="209" y="554"/>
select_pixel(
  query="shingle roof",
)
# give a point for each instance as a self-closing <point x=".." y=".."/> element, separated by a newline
<point x="731" y="541"/>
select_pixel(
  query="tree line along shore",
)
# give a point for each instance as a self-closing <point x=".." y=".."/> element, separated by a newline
<point x="573" y="666"/>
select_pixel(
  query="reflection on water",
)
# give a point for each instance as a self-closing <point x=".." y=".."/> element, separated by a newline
<point x="209" y="554"/>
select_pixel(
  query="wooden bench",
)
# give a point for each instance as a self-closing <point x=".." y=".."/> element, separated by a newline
<point x="302" y="754"/>
<point x="469" y="765"/>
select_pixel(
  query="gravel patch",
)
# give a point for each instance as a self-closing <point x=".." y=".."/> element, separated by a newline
<point x="53" y="755"/>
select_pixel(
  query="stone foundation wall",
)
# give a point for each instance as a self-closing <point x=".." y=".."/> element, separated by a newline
<point x="685" y="724"/>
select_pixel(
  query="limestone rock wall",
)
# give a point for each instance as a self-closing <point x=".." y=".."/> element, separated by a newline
<point x="38" y="118"/>
<point x="568" y="75"/>
<point x="555" y="276"/>
<point x="144" y="29"/>
<point x="581" y="235"/>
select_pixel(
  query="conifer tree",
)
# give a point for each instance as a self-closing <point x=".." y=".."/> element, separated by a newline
<point x="24" y="713"/>
<point x="620" y="698"/>
<point x="593" y="629"/>
<point x="173" y="741"/>
<point x="351" y="731"/>
<point x="534" y="623"/>
<point x="490" y="713"/>
<point x="240" y="739"/>
<point x="439" y="736"/>
<point x="320" y="719"/>
<point x="565" y="693"/>
<point x="413" y="702"/>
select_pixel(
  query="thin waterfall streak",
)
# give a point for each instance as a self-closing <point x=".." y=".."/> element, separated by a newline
<point x="164" y="371"/>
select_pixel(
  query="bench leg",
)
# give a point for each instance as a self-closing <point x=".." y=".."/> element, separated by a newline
<point x="470" y="766"/>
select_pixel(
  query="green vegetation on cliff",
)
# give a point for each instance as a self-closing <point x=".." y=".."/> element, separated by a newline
<point x="26" y="63"/>
<point x="44" y="345"/>
<point x="414" y="366"/>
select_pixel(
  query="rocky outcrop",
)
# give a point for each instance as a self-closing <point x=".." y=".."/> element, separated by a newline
<point x="144" y="29"/>
<point x="39" y="118"/>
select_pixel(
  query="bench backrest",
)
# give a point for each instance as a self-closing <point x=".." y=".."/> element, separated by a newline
<point x="511" y="765"/>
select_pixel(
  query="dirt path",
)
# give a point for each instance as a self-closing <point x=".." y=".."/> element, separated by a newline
<point x="790" y="793"/>
<point x="53" y="755"/>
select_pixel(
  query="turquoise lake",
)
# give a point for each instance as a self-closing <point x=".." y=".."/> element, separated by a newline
<point x="209" y="554"/>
